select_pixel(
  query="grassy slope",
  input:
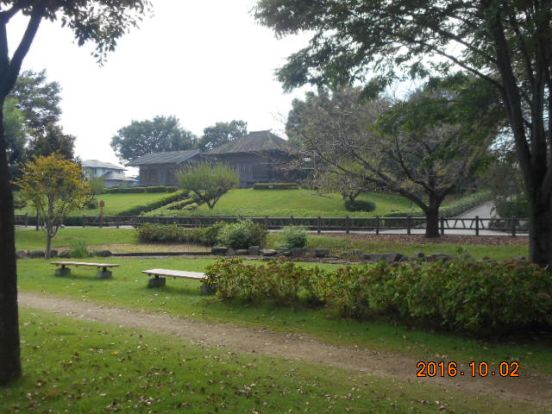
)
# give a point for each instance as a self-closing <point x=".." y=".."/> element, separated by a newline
<point x="114" y="204"/>
<point x="182" y="298"/>
<point x="106" y="369"/>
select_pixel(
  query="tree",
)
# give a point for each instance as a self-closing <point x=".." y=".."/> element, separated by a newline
<point x="350" y="186"/>
<point x="14" y="127"/>
<point x="221" y="133"/>
<point x="208" y="183"/>
<point x="102" y="22"/>
<point x="160" y="134"/>
<point x="55" y="187"/>
<point x="414" y="148"/>
<point x="506" y="43"/>
<point x="52" y="141"/>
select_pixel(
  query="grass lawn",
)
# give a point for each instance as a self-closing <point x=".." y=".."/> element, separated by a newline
<point x="114" y="204"/>
<point x="84" y="367"/>
<point x="182" y="298"/>
<point x="297" y="203"/>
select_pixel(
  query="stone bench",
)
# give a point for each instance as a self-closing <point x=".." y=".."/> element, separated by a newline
<point x="102" y="273"/>
<point x="158" y="277"/>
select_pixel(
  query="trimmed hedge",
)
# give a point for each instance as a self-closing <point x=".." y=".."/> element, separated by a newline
<point x="172" y="233"/>
<point x="134" y="190"/>
<point x="359" y="205"/>
<point x="475" y="297"/>
<point x="276" y="186"/>
<point x="144" y="208"/>
<point x="242" y="235"/>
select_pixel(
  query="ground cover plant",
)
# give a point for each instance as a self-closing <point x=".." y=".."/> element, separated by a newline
<point x="182" y="298"/>
<point x="145" y="372"/>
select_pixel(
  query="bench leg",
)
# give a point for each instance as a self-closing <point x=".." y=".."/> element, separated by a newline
<point x="104" y="273"/>
<point x="157" y="282"/>
<point x="208" y="289"/>
<point x="63" y="271"/>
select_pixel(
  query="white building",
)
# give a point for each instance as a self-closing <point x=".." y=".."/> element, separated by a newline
<point x="111" y="174"/>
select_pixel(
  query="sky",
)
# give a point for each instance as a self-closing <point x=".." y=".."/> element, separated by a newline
<point x="203" y="61"/>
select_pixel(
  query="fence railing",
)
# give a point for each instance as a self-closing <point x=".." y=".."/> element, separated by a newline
<point x="377" y="225"/>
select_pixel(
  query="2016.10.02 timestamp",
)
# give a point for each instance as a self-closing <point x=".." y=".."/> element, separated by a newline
<point x="505" y="369"/>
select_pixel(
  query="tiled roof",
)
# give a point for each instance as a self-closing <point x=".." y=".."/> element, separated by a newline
<point x="170" y="157"/>
<point x="258" y="141"/>
<point x="101" y="164"/>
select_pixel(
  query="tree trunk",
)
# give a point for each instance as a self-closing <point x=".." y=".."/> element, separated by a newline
<point x="432" y="222"/>
<point x="540" y="229"/>
<point x="48" y="244"/>
<point x="10" y="362"/>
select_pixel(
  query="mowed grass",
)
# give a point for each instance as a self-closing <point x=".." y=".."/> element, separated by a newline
<point x="182" y="298"/>
<point x="297" y="203"/>
<point x="84" y="367"/>
<point x="114" y="204"/>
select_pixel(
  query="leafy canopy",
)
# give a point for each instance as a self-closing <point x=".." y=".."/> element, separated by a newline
<point x="160" y="134"/>
<point x="207" y="182"/>
<point x="221" y="133"/>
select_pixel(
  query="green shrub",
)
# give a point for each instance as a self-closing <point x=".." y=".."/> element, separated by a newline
<point x="476" y="297"/>
<point x="144" y="208"/>
<point x="276" y="186"/>
<point x="179" y="205"/>
<point x="79" y="249"/>
<point x="294" y="237"/>
<point x="518" y="208"/>
<point x="97" y="185"/>
<point x="359" y="205"/>
<point x="242" y="234"/>
<point x="134" y="190"/>
<point x="92" y="204"/>
<point x="172" y="233"/>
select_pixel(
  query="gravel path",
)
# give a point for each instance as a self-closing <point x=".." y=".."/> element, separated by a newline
<point x="530" y="387"/>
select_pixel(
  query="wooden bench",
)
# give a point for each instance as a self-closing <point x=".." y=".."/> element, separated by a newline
<point x="158" y="277"/>
<point x="103" y="268"/>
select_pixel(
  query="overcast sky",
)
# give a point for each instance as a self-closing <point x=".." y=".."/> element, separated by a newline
<point x="203" y="61"/>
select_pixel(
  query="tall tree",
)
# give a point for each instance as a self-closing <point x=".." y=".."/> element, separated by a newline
<point x="417" y="148"/>
<point x="221" y="133"/>
<point x="160" y="134"/>
<point x="102" y="22"/>
<point x="14" y="127"/>
<point x="506" y="43"/>
<point x="52" y="140"/>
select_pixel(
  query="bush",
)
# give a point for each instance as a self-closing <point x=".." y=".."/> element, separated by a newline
<point x="97" y="185"/>
<point x="242" y="234"/>
<point x="92" y="204"/>
<point x="172" y="233"/>
<point x="79" y="249"/>
<point x="144" y="208"/>
<point x="133" y="190"/>
<point x="295" y="237"/>
<point x="476" y="297"/>
<point x="512" y="208"/>
<point x="276" y="186"/>
<point x="359" y="205"/>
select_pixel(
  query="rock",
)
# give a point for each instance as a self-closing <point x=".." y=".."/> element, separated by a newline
<point x="22" y="254"/>
<point x="230" y="252"/>
<point x="254" y="250"/>
<point x="36" y="254"/>
<point x="322" y="253"/>
<point x="437" y="257"/>
<point x="355" y="254"/>
<point x="268" y="252"/>
<point x="420" y="255"/>
<point x="298" y="252"/>
<point x="53" y="253"/>
<point x="285" y="253"/>
<point x="64" y="254"/>
<point x="386" y="257"/>
<point x="102" y="253"/>
<point x="242" y="252"/>
<point x="219" y="250"/>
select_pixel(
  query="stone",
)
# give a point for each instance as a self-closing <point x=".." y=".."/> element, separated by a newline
<point x="438" y="257"/>
<point x="219" y="250"/>
<point x="355" y="253"/>
<point x="386" y="257"/>
<point x="63" y="271"/>
<point x="254" y="250"/>
<point x="64" y="254"/>
<point x="322" y="253"/>
<point x="242" y="252"/>
<point x="420" y="255"/>
<point x="53" y="253"/>
<point x="22" y="254"/>
<point x="230" y="252"/>
<point x="103" y="253"/>
<point x="208" y="289"/>
<point x="104" y="274"/>
<point x="298" y="252"/>
<point x="36" y="254"/>
<point x="157" y="282"/>
<point x="268" y="252"/>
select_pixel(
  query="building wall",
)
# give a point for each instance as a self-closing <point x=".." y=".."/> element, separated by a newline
<point x="253" y="168"/>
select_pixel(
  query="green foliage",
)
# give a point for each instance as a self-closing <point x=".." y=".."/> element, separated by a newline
<point x="172" y="233"/>
<point x="276" y="186"/>
<point x="161" y="134"/>
<point x="480" y="298"/>
<point x="359" y="205"/>
<point x="144" y="208"/>
<point x="512" y="208"/>
<point x="93" y="204"/>
<point x="207" y="182"/>
<point x="97" y="185"/>
<point x="79" y="249"/>
<point x="242" y="235"/>
<point x="294" y="237"/>
<point x="222" y="133"/>
<point x="137" y="190"/>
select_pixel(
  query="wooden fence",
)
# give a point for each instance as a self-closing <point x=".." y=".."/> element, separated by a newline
<point x="377" y="225"/>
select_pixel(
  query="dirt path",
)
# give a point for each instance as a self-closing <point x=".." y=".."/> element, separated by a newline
<point x="530" y="387"/>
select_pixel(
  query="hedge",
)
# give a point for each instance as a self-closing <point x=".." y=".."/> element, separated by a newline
<point x="133" y="190"/>
<point x="144" y="208"/>
<point x="172" y="233"/>
<point x="479" y="298"/>
<point x="276" y="186"/>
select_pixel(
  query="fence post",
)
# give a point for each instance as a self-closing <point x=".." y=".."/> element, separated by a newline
<point x="409" y="225"/>
<point x="26" y="220"/>
<point x="347" y="225"/>
<point x="377" y="225"/>
<point x="513" y="227"/>
<point x="442" y="226"/>
<point x="477" y="225"/>
<point x="319" y="225"/>
<point x="83" y="224"/>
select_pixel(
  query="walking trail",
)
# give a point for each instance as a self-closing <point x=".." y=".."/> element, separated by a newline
<point x="531" y="387"/>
